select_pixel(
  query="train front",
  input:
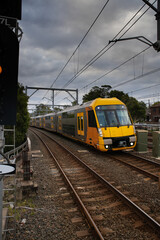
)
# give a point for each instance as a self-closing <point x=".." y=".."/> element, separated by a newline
<point x="115" y="127"/>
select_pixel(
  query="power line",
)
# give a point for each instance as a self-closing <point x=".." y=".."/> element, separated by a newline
<point x="150" y="96"/>
<point x="116" y="68"/>
<point x="104" y="50"/>
<point x="136" y="78"/>
<point x="119" y="38"/>
<point x="80" y="42"/>
<point x="140" y="89"/>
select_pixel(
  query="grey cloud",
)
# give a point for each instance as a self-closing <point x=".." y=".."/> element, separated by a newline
<point x="53" y="29"/>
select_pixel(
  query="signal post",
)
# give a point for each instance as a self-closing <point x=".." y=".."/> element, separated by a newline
<point x="10" y="12"/>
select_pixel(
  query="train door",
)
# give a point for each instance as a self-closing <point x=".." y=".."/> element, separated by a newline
<point x="92" y="133"/>
<point x="80" y="124"/>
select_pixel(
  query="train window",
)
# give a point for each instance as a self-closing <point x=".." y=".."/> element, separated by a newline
<point x="79" y="124"/>
<point x="91" y="119"/>
<point x="102" y="118"/>
<point x="112" y="119"/>
<point x="123" y="118"/>
<point x="82" y="127"/>
<point x="68" y="114"/>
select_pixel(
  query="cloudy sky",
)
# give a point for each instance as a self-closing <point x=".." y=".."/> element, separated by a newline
<point x="59" y="31"/>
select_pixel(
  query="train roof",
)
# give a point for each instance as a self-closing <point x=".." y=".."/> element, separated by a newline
<point x="106" y="101"/>
<point x="92" y="103"/>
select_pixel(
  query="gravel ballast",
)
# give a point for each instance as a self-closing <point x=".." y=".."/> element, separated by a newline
<point x="44" y="215"/>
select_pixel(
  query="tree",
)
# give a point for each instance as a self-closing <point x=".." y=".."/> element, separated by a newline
<point x="22" y="121"/>
<point x="42" y="109"/>
<point x="156" y="103"/>
<point x="74" y="103"/>
<point x="97" y="92"/>
<point x="136" y="109"/>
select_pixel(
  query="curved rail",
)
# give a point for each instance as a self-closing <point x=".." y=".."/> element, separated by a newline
<point x="133" y="166"/>
<point x="85" y="211"/>
<point x="153" y="223"/>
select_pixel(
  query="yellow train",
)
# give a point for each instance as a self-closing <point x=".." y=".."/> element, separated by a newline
<point x="103" y="123"/>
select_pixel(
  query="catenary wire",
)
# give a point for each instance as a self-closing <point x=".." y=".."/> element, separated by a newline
<point x="120" y="65"/>
<point x="79" y="44"/>
<point x="140" y="89"/>
<point x="100" y="52"/>
<point x="104" y="50"/>
<point x="149" y="96"/>
<point x="136" y="78"/>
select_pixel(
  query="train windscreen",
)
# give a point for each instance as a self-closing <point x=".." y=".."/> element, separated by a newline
<point x="113" y="116"/>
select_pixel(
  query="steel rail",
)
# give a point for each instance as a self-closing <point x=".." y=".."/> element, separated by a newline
<point x="83" y="208"/>
<point x="148" y="219"/>
<point x="149" y="174"/>
<point x="142" y="158"/>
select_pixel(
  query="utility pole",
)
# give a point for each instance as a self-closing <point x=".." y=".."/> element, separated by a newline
<point x="10" y="12"/>
<point x="143" y="39"/>
<point x="156" y="45"/>
<point x="158" y="20"/>
<point x="53" y="95"/>
<point x="53" y="100"/>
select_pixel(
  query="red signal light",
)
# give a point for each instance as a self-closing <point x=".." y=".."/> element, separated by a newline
<point x="0" y="69"/>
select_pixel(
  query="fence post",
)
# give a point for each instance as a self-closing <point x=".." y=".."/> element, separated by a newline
<point x="26" y="166"/>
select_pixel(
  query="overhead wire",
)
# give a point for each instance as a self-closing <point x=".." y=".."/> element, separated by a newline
<point x="120" y="65"/>
<point x="98" y="54"/>
<point x="104" y="50"/>
<point x="124" y="61"/>
<point x="80" y="43"/>
<point x="140" y="89"/>
<point x="149" y="96"/>
<point x="138" y="77"/>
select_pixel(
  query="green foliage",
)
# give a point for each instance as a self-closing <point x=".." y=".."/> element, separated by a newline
<point x="96" y="92"/>
<point x="156" y="103"/>
<point x="42" y="109"/>
<point x="22" y="121"/>
<point x="74" y="103"/>
<point x="136" y="109"/>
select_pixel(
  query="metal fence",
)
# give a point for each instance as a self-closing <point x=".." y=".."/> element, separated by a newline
<point x="148" y="126"/>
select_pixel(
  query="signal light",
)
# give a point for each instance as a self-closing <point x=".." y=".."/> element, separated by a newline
<point x="0" y="69"/>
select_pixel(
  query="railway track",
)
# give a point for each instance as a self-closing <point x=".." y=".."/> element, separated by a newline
<point x="110" y="213"/>
<point x="145" y="166"/>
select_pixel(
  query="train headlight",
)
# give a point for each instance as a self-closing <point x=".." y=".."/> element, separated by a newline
<point x="131" y="143"/>
<point x="100" y="132"/>
<point x="106" y="146"/>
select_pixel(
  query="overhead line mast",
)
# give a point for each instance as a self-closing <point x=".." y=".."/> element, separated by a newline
<point x="80" y="43"/>
<point x="155" y="45"/>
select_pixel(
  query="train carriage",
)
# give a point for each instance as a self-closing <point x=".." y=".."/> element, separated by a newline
<point x="103" y="123"/>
